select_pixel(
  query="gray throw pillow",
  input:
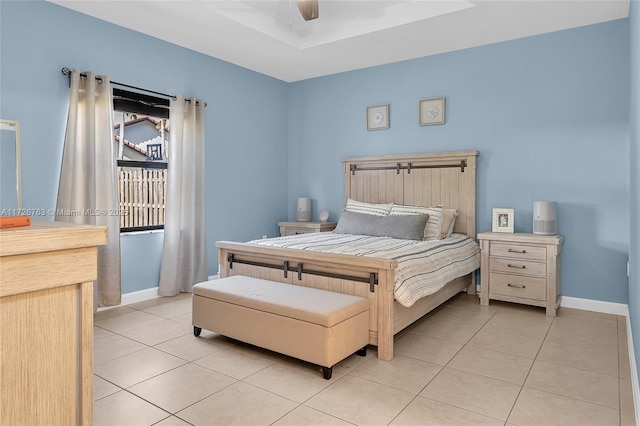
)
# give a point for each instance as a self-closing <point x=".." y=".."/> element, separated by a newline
<point x="409" y="227"/>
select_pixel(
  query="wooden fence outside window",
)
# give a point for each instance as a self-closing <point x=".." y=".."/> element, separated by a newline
<point x="142" y="196"/>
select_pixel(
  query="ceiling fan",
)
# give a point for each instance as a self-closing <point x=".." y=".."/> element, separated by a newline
<point x="308" y="9"/>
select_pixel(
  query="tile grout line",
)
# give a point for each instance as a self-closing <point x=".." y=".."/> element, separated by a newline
<point x="441" y="369"/>
<point x="529" y="372"/>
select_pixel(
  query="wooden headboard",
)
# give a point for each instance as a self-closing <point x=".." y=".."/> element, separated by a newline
<point x="446" y="178"/>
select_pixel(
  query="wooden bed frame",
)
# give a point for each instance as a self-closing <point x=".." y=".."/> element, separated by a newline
<point x="422" y="179"/>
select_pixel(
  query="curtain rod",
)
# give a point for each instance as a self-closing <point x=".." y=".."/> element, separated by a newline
<point x="67" y="71"/>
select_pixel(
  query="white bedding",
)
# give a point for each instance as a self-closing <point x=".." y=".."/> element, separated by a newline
<point x="424" y="267"/>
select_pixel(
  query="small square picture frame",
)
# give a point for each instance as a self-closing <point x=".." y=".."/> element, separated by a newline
<point x="502" y="220"/>
<point x="378" y="117"/>
<point x="431" y="111"/>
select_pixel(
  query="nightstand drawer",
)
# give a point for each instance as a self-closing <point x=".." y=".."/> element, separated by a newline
<point x="296" y="231"/>
<point x="517" y="266"/>
<point x="518" y="286"/>
<point x="294" y="228"/>
<point x="517" y="251"/>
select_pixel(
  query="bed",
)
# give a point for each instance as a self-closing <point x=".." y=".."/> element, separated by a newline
<point x="447" y="179"/>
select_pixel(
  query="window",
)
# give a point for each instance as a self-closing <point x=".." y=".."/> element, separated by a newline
<point x="141" y="129"/>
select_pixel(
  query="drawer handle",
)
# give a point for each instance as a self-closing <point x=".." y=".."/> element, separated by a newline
<point x="517" y="251"/>
<point x="509" y="265"/>
<point x="517" y="285"/>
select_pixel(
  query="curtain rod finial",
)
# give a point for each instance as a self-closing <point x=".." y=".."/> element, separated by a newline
<point x="66" y="71"/>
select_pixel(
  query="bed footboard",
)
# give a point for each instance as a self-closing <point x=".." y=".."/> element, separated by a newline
<point x="360" y="276"/>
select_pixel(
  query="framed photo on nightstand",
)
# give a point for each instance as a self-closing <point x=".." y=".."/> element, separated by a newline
<point x="502" y="220"/>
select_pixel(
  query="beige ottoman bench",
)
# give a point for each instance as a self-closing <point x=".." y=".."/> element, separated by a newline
<point x="318" y="326"/>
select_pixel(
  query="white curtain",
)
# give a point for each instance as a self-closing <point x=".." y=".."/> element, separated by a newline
<point x="87" y="192"/>
<point x="184" y="256"/>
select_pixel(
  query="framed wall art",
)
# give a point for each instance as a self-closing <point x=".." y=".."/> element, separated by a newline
<point x="502" y="220"/>
<point x="378" y="117"/>
<point x="431" y="111"/>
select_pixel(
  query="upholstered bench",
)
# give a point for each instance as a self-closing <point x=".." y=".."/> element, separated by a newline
<point x="318" y="326"/>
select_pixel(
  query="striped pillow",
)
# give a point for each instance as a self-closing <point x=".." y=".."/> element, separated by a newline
<point x="434" y="225"/>
<point x="368" y="208"/>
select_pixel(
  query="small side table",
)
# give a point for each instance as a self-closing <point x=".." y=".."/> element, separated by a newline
<point x="521" y="268"/>
<point x="293" y="228"/>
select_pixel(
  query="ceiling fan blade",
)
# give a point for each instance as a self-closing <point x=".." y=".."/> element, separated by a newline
<point x="308" y="9"/>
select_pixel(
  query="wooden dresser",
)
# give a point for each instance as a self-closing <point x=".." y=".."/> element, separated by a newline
<point x="46" y="323"/>
<point x="521" y="268"/>
<point x="293" y="228"/>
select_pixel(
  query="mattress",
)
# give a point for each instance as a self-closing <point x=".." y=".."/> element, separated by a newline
<point x="424" y="267"/>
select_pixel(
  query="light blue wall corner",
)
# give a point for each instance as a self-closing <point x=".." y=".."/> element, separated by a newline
<point x="634" y="193"/>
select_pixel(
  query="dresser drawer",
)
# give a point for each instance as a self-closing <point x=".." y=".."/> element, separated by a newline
<point x="517" y="251"/>
<point x="518" y="286"/>
<point x="517" y="266"/>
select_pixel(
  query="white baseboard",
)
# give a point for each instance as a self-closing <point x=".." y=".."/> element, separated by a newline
<point x="139" y="296"/>
<point x="635" y="385"/>
<point x="142" y="295"/>
<point x="134" y="297"/>
<point x="595" y="306"/>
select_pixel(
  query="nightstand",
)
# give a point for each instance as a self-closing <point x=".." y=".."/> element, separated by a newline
<point x="521" y="268"/>
<point x="293" y="228"/>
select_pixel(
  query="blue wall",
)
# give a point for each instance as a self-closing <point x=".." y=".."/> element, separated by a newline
<point x="548" y="114"/>
<point x="38" y="38"/>
<point x="634" y="193"/>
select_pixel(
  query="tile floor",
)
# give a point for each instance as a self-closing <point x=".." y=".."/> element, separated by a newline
<point x="464" y="364"/>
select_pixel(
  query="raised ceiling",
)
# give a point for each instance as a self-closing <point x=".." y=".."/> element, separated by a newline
<point x="271" y="37"/>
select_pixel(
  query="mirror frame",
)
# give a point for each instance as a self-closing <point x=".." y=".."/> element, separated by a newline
<point x="14" y="126"/>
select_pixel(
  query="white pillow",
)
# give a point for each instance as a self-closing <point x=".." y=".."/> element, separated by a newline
<point x="367" y="208"/>
<point x="433" y="230"/>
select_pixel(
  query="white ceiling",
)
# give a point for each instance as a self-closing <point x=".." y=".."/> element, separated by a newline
<point x="270" y="37"/>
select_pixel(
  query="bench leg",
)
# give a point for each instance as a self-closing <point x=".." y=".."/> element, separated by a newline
<point x="326" y="372"/>
<point x="196" y="331"/>
<point x="362" y="352"/>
